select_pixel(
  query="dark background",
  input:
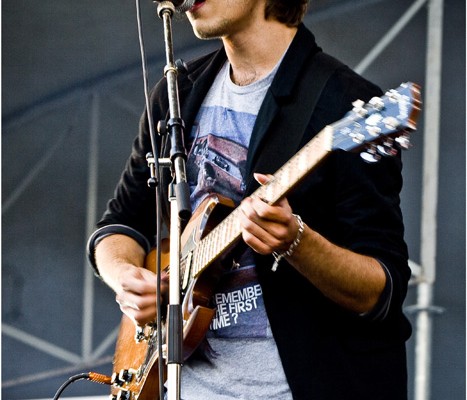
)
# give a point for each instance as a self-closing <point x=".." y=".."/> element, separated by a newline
<point x="71" y="99"/>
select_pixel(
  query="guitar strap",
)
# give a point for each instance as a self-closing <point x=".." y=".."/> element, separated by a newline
<point x="310" y="88"/>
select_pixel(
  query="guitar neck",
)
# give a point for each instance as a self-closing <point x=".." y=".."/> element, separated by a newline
<point x="224" y="235"/>
<point x="378" y="121"/>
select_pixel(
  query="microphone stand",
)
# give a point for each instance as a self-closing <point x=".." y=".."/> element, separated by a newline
<point x="180" y="208"/>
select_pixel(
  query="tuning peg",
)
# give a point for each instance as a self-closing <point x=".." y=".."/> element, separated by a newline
<point x="387" y="148"/>
<point x="357" y="137"/>
<point x="358" y="108"/>
<point x="370" y="155"/>
<point x="373" y="131"/>
<point x="377" y="103"/>
<point x="404" y="142"/>
<point x="393" y="95"/>
<point x="391" y="123"/>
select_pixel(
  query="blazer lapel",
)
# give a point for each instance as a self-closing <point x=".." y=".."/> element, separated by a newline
<point x="275" y="139"/>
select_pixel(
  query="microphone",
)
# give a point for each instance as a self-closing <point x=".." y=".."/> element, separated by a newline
<point x="181" y="6"/>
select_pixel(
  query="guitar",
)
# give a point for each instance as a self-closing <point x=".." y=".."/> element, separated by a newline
<point x="376" y="126"/>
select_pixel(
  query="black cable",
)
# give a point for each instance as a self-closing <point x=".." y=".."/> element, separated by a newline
<point x="70" y="380"/>
<point x="145" y="80"/>
<point x="90" y="376"/>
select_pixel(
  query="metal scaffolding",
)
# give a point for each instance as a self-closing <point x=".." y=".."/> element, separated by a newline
<point x="424" y="274"/>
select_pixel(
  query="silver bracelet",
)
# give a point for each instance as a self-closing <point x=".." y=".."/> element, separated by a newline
<point x="279" y="256"/>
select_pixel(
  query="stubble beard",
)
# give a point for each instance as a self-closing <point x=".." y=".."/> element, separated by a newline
<point x="211" y="31"/>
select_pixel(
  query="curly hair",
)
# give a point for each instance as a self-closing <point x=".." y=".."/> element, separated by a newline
<point x="289" y="12"/>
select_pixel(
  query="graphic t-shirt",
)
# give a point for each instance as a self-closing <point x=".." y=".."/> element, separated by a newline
<point x="216" y="164"/>
<point x="220" y="137"/>
<point x="239" y="334"/>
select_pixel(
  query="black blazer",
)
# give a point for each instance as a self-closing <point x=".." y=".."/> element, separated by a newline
<point x="327" y="352"/>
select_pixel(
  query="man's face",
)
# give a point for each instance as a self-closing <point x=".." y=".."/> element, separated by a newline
<point x="223" y="18"/>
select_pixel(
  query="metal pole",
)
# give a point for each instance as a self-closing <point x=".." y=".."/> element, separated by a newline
<point x="425" y="308"/>
<point x="91" y="207"/>
<point x="179" y="204"/>
<point x="387" y="39"/>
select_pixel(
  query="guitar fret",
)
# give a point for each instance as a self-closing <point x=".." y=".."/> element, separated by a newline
<point x="203" y="254"/>
<point x="214" y="249"/>
<point x="214" y="244"/>
<point x="196" y="259"/>
<point x="222" y="235"/>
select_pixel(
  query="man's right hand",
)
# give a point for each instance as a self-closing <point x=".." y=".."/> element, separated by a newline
<point x="120" y="261"/>
<point x="137" y="294"/>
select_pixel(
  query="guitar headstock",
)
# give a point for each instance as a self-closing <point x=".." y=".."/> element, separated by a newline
<point x="378" y="123"/>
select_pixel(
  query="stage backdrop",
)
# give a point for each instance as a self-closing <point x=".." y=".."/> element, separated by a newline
<point x="71" y="100"/>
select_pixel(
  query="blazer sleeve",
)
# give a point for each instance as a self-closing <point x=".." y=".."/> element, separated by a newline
<point x="356" y="204"/>
<point x="132" y="209"/>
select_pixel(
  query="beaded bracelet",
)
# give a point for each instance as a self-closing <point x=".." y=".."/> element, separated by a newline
<point x="279" y="256"/>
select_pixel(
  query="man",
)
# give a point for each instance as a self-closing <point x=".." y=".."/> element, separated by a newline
<point x="327" y="323"/>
